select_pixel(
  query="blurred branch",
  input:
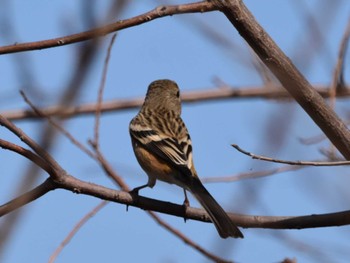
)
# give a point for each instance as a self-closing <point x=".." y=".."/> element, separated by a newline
<point x="313" y="139"/>
<point x="317" y="138"/>
<point x="288" y="260"/>
<point x="76" y="228"/>
<point x="250" y="175"/>
<point x="161" y="11"/>
<point x="310" y="249"/>
<point x="289" y="76"/>
<point x="27" y="197"/>
<point x="275" y="92"/>
<point x="338" y="75"/>
<point x="317" y="22"/>
<point x="56" y="125"/>
<point x="96" y="139"/>
<point x="186" y="239"/>
<point x="308" y="163"/>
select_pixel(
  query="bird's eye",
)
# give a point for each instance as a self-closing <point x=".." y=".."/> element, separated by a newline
<point x="178" y="94"/>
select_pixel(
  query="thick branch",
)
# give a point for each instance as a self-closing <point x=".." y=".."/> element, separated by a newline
<point x="80" y="187"/>
<point x="289" y="76"/>
<point x="274" y="222"/>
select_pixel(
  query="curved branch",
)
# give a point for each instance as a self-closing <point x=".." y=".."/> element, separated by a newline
<point x="27" y="154"/>
<point x="28" y="197"/>
<point x="36" y="147"/>
<point x="161" y="11"/>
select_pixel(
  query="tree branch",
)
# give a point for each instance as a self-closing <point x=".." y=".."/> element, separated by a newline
<point x="80" y="187"/>
<point x="161" y="11"/>
<point x="76" y="228"/>
<point x="32" y="144"/>
<point x="77" y="186"/>
<point x="338" y="78"/>
<point x="28" y="197"/>
<point x="250" y="175"/>
<point x="27" y="154"/>
<point x="220" y="93"/>
<point x="289" y="76"/>
<point x="274" y="222"/>
<point x="299" y="163"/>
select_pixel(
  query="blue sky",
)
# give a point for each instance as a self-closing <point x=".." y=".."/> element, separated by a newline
<point x="175" y="48"/>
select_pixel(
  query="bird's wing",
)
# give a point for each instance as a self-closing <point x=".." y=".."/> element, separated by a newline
<point x="176" y="152"/>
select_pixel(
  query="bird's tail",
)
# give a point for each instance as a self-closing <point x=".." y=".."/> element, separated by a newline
<point x="218" y="216"/>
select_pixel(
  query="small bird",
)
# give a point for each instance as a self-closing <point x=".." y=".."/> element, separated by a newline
<point x="163" y="148"/>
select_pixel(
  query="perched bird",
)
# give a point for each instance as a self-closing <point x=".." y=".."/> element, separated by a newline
<point x="163" y="148"/>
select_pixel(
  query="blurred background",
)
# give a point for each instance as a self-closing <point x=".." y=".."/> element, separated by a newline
<point x="201" y="52"/>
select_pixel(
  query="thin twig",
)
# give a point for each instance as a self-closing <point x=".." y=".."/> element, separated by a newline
<point x="76" y="228"/>
<point x="309" y="163"/>
<point x="317" y="138"/>
<point x="313" y="140"/>
<point x="298" y="244"/>
<point x="27" y="154"/>
<point x="330" y="155"/>
<point x="186" y="239"/>
<point x="161" y="11"/>
<point x="107" y="168"/>
<point x="57" y="126"/>
<point x="337" y="80"/>
<point x="27" y="197"/>
<point x="32" y="144"/>
<point x="100" y="93"/>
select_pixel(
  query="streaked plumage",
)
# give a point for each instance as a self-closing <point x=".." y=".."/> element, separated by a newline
<point x="163" y="148"/>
